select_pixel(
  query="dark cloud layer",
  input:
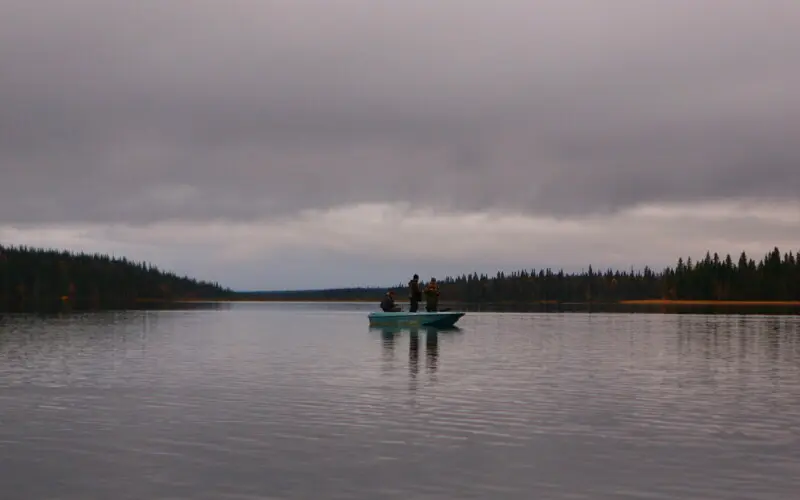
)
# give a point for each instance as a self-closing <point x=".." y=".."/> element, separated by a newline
<point x="137" y="112"/>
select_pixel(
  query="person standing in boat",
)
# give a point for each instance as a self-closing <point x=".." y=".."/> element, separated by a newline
<point x="432" y="296"/>
<point x="387" y="304"/>
<point x="414" y="294"/>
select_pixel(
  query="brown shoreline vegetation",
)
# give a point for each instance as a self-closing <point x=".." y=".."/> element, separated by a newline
<point x="741" y="303"/>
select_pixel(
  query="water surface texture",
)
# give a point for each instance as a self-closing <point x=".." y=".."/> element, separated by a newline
<point x="271" y="401"/>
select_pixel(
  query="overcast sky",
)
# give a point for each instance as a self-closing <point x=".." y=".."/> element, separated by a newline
<point x="297" y="143"/>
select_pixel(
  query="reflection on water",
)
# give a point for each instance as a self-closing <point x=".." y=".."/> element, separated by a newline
<point x="431" y="339"/>
<point x="264" y="402"/>
<point x="431" y="350"/>
<point x="413" y="358"/>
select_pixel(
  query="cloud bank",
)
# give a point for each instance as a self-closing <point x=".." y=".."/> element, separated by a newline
<point x="235" y="119"/>
<point x="137" y="113"/>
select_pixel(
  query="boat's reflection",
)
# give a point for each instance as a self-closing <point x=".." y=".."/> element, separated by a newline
<point x="389" y="335"/>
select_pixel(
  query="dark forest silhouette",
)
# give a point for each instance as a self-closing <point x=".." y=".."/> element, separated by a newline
<point x="38" y="278"/>
<point x="32" y="278"/>
<point x="776" y="277"/>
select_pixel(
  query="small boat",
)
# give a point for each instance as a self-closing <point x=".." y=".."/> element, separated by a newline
<point x="434" y="319"/>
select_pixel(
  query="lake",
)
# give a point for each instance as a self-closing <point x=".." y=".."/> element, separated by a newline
<point x="305" y="401"/>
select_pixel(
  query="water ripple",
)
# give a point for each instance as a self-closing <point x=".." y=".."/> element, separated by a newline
<point x="259" y="402"/>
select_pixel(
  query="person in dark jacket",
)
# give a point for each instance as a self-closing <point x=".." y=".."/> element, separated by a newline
<point x="432" y="296"/>
<point x="414" y="294"/>
<point x="387" y="304"/>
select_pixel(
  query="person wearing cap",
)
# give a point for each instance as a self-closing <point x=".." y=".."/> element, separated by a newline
<point x="414" y="294"/>
<point x="432" y="296"/>
<point x="387" y="304"/>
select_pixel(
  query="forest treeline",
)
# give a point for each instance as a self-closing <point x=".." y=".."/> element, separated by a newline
<point x="775" y="277"/>
<point x="32" y="278"/>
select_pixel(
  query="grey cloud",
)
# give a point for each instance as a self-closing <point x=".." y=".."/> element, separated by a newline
<point x="262" y="108"/>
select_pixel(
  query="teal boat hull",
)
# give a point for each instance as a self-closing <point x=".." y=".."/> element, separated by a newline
<point x="436" y="320"/>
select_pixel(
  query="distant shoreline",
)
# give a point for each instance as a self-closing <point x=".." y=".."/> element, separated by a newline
<point x="637" y="302"/>
<point x="47" y="279"/>
<point x="630" y="306"/>
<point x="743" y="303"/>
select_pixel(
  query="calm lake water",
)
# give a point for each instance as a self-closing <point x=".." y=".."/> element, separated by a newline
<point x="269" y="401"/>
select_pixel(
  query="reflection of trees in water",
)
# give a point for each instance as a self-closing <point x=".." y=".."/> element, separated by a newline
<point x="740" y="346"/>
<point x="3" y="334"/>
<point x="742" y="339"/>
